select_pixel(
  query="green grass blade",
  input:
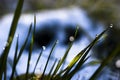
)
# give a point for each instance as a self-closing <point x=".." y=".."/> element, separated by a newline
<point x="30" y="53"/>
<point x="51" y="70"/>
<point x="52" y="75"/>
<point x="5" y="73"/>
<point x="34" y="24"/>
<point x="91" y="63"/>
<point x="76" y="69"/>
<point x="24" y="45"/>
<point x="14" y="60"/>
<point x="73" y="62"/>
<point x="62" y="60"/>
<point x="81" y="57"/>
<point x="11" y="65"/>
<point x="37" y="61"/>
<point x="105" y="62"/>
<point x="31" y="47"/>
<point x="66" y="53"/>
<point x="10" y="37"/>
<point x="80" y="63"/>
<point x="54" y="45"/>
<point x="22" y="48"/>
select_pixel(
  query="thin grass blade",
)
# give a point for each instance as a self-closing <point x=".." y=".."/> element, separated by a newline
<point x="105" y="62"/>
<point x="76" y="69"/>
<point x="54" y="45"/>
<point x="30" y="53"/>
<point x="66" y="53"/>
<point x="22" y="49"/>
<point x="14" y="60"/>
<point x="37" y="61"/>
<point x="4" y="56"/>
<point x="24" y="44"/>
<point x="91" y="63"/>
<point x="51" y="70"/>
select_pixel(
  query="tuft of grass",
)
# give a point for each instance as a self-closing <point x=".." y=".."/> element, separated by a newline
<point x="55" y="73"/>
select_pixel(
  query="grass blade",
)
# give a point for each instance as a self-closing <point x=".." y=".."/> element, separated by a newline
<point x="80" y="57"/>
<point x="76" y="69"/>
<point x="37" y="61"/>
<point x="22" y="48"/>
<point x="105" y="62"/>
<point x="83" y="58"/>
<point x="4" y="56"/>
<point x="66" y="53"/>
<point x="31" y="47"/>
<point x="42" y="77"/>
<point x="91" y="63"/>
<point x="49" y="75"/>
<point x="14" y="60"/>
<point x="24" y="44"/>
<point x="30" y="53"/>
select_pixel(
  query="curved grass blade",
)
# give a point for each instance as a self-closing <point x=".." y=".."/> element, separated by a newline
<point x="80" y="57"/>
<point x="83" y="57"/>
<point x="91" y="63"/>
<point x="76" y="69"/>
<point x="105" y="62"/>
<point x="4" y="56"/>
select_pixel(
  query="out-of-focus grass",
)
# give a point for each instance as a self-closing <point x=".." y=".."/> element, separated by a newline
<point x="4" y="56"/>
<point x="56" y="73"/>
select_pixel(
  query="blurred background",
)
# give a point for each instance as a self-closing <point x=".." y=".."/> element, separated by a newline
<point x="101" y="14"/>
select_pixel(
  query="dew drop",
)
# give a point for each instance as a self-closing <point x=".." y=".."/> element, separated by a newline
<point x="6" y="44"/>
<point x="71" y="38"/>
<point x="117" y="63"/>
<point x="96" y="35"/>
<point x="43" y="47"/>
<point x="111" y="25"/>
<point x="17" y="35"/>
<point x="3" y="48"/>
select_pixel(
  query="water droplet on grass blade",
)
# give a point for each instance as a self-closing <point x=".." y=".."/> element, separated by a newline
<point x="71" y="38"/>
<point x="6" y="44"/>
<point x="117" y="63"/>
<point x="43" y="47"/>
<point x="96" y="35"/>
<point x="3" y="48"/>
<point x="111" y="25"/>
<point x="17" y="35"/>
